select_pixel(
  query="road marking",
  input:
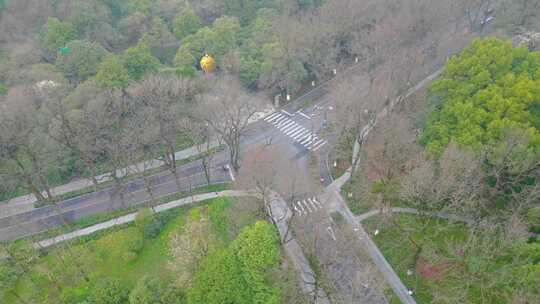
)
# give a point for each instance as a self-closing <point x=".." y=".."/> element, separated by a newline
<point x="296" y="135"/>
<point x="312" y="204"/>
<point x="317" y="202"/>
<point x="287" y="113"/>
<point x="304" y="137"/>
<point x="304" y="115"/>
<point x="301" y="207"/>
<point x="320" y="146"/>
<point x="300" y="130"/>
<point x="331" y="232"/>
<point x="271" y="116"/>
<point x="293" y="126"/>
<point x="296" y="131"/>
<point x="281" y="118"/>
<point x="289" y="128"/>
<point x="297" y="210"/>
<point x="308" y="139"/>
<point x="307" y="206"/>
<point x="293" y="130"/>
<point x="317" y="142"/>
<point x="285" y="124"/>
<point x="301" y="137"/>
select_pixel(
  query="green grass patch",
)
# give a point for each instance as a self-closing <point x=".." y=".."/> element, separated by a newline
<point x="122" y="253"/>
<point x="400" y="251"/>
<point x="449" y="265"/>
<point x="356" y="203"/>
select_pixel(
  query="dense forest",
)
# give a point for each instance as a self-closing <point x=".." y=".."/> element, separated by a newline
<point x="62" y="62"/>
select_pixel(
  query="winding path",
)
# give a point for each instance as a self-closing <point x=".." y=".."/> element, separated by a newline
<point x="333" y="194"/>
<point x="440" y="215"/>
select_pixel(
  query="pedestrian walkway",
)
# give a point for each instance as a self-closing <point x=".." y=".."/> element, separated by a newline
<point x="307" y="206"/>
<point x="282" y="216"/>
<point x="295" y="131"/>
<point x="131" y="217"/>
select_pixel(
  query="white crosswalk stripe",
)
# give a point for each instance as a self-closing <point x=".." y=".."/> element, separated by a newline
<point x="293" y="131"/>
<point x="307" y="206"/>
<point x="297" y="132"/>
<point x="271" y="117"/>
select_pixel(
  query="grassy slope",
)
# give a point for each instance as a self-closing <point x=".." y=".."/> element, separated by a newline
<point x="399" y="251"/>
<point x="100" y="257"/>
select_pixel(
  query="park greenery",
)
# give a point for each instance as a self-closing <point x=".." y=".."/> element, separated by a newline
<point x="89" y="87"/>
<point x="181" y="256"/>
<point x="468" y="147"/>
<point x="445" y="262"/>
<point x="92" y="56"/>
<point x="490" y="88"/>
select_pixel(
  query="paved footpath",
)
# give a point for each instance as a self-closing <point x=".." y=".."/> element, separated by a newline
<point x="131" y="217"/>
<point x="281" y="214"/>
<point x="336" y="203"/>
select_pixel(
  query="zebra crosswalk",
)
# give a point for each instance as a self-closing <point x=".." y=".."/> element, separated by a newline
<point x="296" y="131"/>
<point x="306" y="206"/>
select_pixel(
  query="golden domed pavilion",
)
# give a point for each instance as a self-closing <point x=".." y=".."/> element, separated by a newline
<point x="208" y="64"/>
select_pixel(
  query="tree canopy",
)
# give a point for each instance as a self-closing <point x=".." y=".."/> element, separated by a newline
<point x="57" y="34"/>
<point x="81" y="59"/>
<point x="139" y="61"/>
<point x="488" y="89"/>
<point x="112" y="74"/>
<point x="237" y="274"/>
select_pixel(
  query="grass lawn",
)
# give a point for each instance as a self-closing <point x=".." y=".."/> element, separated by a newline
<point x="122" y="253"/>
<point x="455" y="265"/>
<point x="356" y="202"/>
<point x="430" y="272"/>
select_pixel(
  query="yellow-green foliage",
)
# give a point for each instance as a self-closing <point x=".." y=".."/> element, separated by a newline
<point x="488" y="89"/>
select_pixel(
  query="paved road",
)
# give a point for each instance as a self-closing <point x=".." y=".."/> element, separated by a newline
<point x="25" y="202"/>
<point x="163" y="184"/>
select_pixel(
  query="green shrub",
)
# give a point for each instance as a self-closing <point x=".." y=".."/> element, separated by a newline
<point x="217" y="217"/>
<point x="147" y="290"/>
<point x="135" y="244"/>
<point x="108" y="291"/>
<point x="143" y="218"/>
<point x="533" y="216"/>
<point x="72" y="295"/>
<point x="129" y="256"/>
<point x="173" y="295"/>
<point x="153" y="228"/>
<point x="3" y="90"/>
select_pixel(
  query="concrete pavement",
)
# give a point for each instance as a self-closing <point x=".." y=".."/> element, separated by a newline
<point x="131" y="217"/>
<point x="377" y="257"/>
<point x="281" y="214"/>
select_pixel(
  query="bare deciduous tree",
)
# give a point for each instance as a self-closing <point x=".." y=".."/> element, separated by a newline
<point x="227" y="109"/>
